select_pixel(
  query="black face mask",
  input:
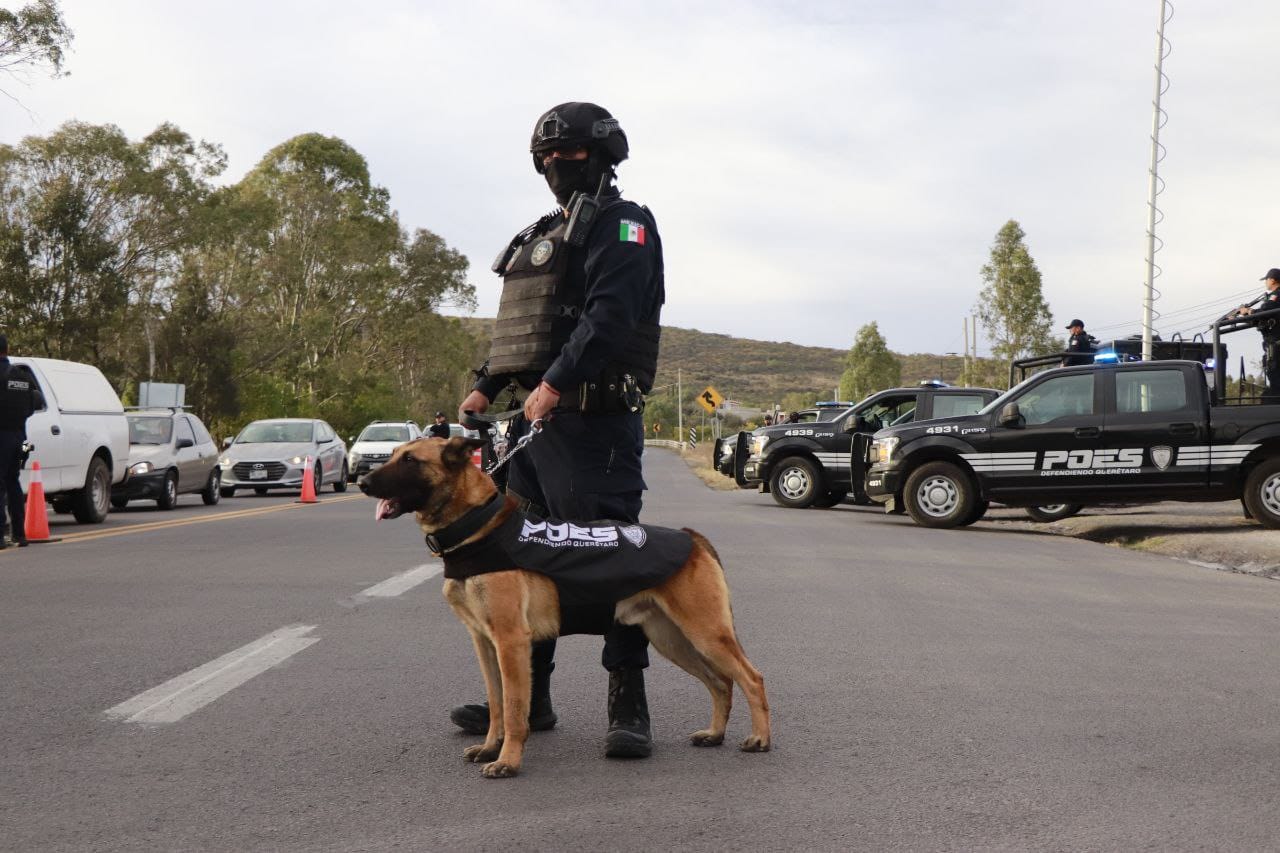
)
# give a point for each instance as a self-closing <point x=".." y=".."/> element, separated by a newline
<point x="565" y="177"/>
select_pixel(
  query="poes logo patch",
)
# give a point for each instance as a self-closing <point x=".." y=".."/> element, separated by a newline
<point x="567" y="535"/>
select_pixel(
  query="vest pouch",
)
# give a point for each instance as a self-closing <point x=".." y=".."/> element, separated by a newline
<point x="611" y="393"/>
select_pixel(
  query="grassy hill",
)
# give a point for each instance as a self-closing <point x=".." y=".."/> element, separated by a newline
<point x="759" y="373"/>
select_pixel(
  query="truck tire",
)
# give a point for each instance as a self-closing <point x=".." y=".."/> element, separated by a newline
<point x="1262" y="492"/>
<point x="976" y="514"/>
<point x="829" y="499"/>
<point x="795" y="483"/>
<point x="91" y="504"/>
<point x="939" y="494"/>
<point x="1053" y="512"/>
<point x="340" y="484"/>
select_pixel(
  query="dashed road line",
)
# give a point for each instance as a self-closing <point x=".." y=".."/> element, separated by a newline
<point x="191" y="691"/>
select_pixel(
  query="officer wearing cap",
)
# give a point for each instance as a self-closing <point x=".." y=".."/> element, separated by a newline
<point x="1270" y="329"/>
<point x="439" y="429"/>
<point x="578" y="330"/>
<point x="1079" y="345"/>
<point x="19" y="397"/>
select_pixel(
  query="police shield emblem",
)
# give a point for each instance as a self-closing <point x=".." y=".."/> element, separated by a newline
<point x="542" y="253"/>
<point x="1162" y="456"/>
<point x="634" y="534"/>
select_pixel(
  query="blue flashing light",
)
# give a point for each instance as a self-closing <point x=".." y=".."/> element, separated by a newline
<point x="1210" y="364"/>
<point x="1106" y="356"/>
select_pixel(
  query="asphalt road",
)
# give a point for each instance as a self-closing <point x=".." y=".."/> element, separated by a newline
<point x="987" y="688"/>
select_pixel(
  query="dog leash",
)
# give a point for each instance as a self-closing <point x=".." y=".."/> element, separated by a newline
<point x="534" y="428"/>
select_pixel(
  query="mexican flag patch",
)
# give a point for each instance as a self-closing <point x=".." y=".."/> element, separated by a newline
<point x="631" y="232"/>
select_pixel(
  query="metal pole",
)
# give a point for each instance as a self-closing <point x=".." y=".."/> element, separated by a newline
<point x="964" y="380"/>
<point x="679" y="408"/>
<point x="1153" y="183"/>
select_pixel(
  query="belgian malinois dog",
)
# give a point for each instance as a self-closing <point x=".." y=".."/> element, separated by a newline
<point x="686" y="617"/>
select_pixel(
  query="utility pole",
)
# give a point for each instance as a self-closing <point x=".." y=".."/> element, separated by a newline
<point x="679" y="408"/>
<point x="964" y="377"/>
<point x="1154" y="184"/>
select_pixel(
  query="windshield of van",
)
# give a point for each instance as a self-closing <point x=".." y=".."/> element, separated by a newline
<point x="384" y="432"/>
<point x="268" y="432"/>
<point x="150" y="430"/>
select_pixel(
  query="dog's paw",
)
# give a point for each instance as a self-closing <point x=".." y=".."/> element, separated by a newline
<point x="706" y="737"/>
<point x="476" y="754"/>
<point x="755" y="743"/>
<point x="498" y="770"/>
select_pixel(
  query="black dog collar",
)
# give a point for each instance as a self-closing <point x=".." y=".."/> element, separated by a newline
<point x="450" y="537"/>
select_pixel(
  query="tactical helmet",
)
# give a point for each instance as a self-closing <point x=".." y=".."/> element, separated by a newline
<point x="578" y="123"/>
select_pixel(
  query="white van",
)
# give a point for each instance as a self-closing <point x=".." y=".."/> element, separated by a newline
<point x="81" y="437"/>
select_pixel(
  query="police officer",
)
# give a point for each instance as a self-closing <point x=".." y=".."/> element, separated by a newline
<point x="439" y="429"/>
<point x="1270" y="329"/>
<point x="19" y="397"/>
<point x="578" y="329"/>
<point x="1079" y="345"/>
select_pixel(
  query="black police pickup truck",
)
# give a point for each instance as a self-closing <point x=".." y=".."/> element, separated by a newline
<point x="1104" y="433"/>
<point x="814" y="463"/>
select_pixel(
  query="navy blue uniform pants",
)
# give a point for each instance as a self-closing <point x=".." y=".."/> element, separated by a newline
<point x="10" y="488"/>
<point x="583" y="468"/>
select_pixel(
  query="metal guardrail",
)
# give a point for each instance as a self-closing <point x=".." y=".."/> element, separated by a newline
<point x="664" y="442"/>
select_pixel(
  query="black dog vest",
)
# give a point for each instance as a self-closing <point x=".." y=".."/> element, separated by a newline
<point x="594" y="562"/>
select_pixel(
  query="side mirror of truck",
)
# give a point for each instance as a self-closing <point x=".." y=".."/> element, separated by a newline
<point x="226" y="442"/>
<point x="1010" y="416"/>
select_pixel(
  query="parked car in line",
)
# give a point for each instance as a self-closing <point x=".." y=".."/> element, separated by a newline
<point x="81" y="438"/>
<point x="170" y="453"/>
<point x="272" y="454"/>
<point x="375" y="443"/>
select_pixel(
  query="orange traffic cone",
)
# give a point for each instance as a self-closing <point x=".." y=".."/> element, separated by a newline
<point x="309" y="486"/>
<point x="36" y="528"/>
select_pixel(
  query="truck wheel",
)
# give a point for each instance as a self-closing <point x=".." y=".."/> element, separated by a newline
<point x="979" y="510"/>
<point x="830" y="499"/>
<point x="212" y="491"/>
<point x="1053" y="512"/>
<point x="1262" y="492"/>
<point x="795" y="483"/>
<point x="340" y="485"/>
<point x="939" y="494"/>
<point x="168" y="498"/>
<point x="91" y="504"/>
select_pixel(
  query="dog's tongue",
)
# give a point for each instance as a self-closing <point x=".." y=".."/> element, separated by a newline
<point x="383" y="510"/>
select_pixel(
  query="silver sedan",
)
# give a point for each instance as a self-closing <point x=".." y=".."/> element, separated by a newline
<point x="275" y="454"/>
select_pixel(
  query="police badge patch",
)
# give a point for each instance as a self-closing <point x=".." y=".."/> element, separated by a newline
<point x="542" y="253"/>
<point x="1162" y="456"/>
<point x="634" y="534"/>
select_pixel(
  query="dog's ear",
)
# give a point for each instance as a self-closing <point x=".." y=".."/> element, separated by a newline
<point x="457" y="451"/>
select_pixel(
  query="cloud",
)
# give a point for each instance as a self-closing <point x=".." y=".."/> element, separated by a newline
<point x="812" y="166"/>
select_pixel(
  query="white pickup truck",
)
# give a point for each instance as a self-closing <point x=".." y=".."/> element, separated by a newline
<point x="81" y="438"/>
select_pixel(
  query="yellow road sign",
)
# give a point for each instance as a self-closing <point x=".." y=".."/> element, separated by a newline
<point x="710" y="399"/>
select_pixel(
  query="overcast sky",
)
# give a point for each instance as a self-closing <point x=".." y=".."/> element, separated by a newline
<point x="812" y="166"/>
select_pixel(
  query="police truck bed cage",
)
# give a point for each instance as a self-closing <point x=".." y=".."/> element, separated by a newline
<point x="1225" y="325"/>
<point x="1125" y="349"/>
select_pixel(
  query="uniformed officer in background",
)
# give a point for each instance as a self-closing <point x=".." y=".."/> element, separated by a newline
<point x="1079" y="345"/>
<point x="578" y="329"/>
<point x="19" y="397"/>
<point x="1270" y="329"/>
<point x="439" y="429"/>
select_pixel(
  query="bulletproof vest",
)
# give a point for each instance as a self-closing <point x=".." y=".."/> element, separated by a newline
<point x="17" y="396"/>
<point x="543" y="294"/>
<point x="590" y="562"/>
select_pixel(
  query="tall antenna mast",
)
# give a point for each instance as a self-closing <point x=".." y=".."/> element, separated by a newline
<point x="1155" y="185"/>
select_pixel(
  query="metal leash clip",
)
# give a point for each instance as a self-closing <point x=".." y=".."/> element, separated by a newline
<point x="534" y="428"/>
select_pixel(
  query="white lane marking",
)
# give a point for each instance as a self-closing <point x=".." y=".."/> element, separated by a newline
<point x="401" y="583"/>
<point x="191" y="691"/>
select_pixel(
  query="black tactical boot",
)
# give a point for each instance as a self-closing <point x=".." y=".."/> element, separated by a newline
<point x="629" y="733"/>
<point x="474" y="719"/>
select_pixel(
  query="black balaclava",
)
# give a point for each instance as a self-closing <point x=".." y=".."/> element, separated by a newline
<point x="565" y="177"/>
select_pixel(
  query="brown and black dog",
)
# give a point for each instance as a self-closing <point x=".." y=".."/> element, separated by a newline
<point x="687" y="617"/>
